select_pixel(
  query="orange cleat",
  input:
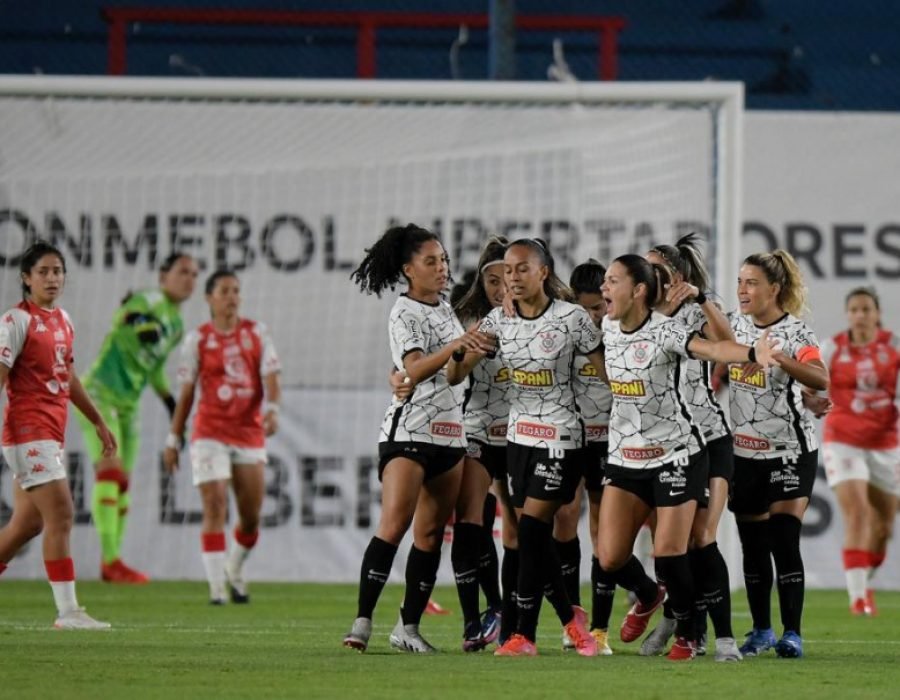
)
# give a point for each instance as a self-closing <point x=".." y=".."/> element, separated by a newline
<point x="682" y="650"/>
<point x="578" y="632"/>
<point x="517" y="645"/>
<point x="858" y="607"/>
<point x="871" y="608"/>
<point x="434" y="608"/>
<point x="118" y="572"/>
<point x="637" y="619"/>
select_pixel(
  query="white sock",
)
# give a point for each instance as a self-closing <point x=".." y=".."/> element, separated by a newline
<point x="856" y="583"/>
<point x="237" y="557"/>
<point x="64" y="596"/>
<point x="214" y="563"/>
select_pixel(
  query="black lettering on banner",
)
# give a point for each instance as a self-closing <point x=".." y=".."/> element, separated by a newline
<point x="148" y="235"/>
<point x="29" y="232"/>
<point x="808" y="252"/>
<point x="276" y="490"/>
<point x="366" y="496"/>
<point x="759" y="228"/>
<point x="562" y="252"/>
<point x="605" y="229"/>
<point x="302" y="232"/>
<point x="702" y="229"/>
<point x="232" y="232"/>
<point x="169" y="514"/>
<point x="80" y="500"/>
<point x="329" y="246"/>
<point x="466" y="236"/>
<point x="887" y="242"/>
<point x="315" y="489"/>
<point x="180" y="239"/>
<point x="844" y="250"/>
<point x="511" y="230"/>
<point x="82" y="249"/>
<point x="643" y="238"/>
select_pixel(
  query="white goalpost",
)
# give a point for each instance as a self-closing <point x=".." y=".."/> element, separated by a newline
<point x="287" y="182"/>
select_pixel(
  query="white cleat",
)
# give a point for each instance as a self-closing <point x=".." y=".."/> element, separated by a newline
<point x="358" y="636"/>
<point x="727" y="650"/>
<point x="78" y="619"/>
<point x="407" y="638"/>
<point x="567" y="643"/>
<point x="657" y="641"/>
<point x="236" y="585"/>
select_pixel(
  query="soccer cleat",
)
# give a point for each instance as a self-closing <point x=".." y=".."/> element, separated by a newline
<point x="78" y="619"/>
<point x="726" y="649"/>
<point x="567" y="643"/>
<point x="434" y="608"/>
<point x="871" y="608"/>
<point x="358" y="636"/>
<point x="602" y="638"/>
<point x="790" y="646"/>
<point x="638" y="617"/>
<point x="217" y="601"/>
<point x="473" y="639"/>
<point x="577" y="631"/>
<point x="858" y="607"/>
<point x="682" y="650"/>
<point x="700" y="645"/>
<point x="757" y="641"/>
<point x="490" y="625"/>
<point x="657" y="641"/>
<point x="237" y="587"/>
<point x="517" y="645"/>
<point x="407" y="638"/>
<point x="118" y="572"/>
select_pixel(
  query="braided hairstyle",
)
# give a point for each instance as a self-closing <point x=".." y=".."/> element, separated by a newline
<point x="382" y="268"/>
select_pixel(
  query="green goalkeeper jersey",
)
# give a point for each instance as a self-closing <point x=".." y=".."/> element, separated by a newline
<point x="146" y="328"/>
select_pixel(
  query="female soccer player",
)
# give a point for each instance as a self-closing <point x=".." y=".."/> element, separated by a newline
<point x="233" y="360"/>
<point x="537" y="347"/>
<point x="594" y="400"/>
<point x="685" y="300"/>
<point x="146" y="328"/>
<point x="775" y="446"/>
<point x="422" y="443"/>
<point x="860" y="443"/>
<point x="36" y="366"/>
<point x="656" y="462"/>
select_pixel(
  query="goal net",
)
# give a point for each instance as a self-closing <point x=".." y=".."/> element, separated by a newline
<point x="288" y="182"/>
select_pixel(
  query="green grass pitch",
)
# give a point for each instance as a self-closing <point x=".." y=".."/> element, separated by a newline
<point x="167" y="642"/>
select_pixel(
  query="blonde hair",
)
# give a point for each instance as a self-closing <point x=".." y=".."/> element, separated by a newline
<point x="780" y="268"/>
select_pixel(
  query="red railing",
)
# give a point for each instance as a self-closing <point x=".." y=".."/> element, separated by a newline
<point x="366" y="23"/>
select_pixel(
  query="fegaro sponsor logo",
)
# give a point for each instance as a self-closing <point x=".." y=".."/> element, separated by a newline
<point x="596" y="432"/>
<point x="640" y="454"/>
<point x="757" y="379"/>
<point x="633" y="388"/>
<point x="748" y="442"/>
<point x="536" y="430"/>
<point x="446" y="429"/>
<point x="497" y="431"/>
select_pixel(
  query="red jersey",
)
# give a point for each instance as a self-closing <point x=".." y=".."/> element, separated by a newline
<point x="229" y="368"/>
<point x="864" y="391"/>
<point x="36" y="344"/>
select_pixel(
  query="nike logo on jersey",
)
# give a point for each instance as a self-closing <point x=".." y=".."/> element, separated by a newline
<point x="675" y="493"/>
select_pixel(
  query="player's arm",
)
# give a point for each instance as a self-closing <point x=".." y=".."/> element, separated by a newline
<point x="598" y="360"/>
<point x="160" y="383"/>
<point x="477" y="342"/>
<point x="4" y="373"/>
<point x="179" y="421"/>
<point x="420" y="366"/>
<point x="730" y="352"/>
<point x="807" y="368"/>
<point x="273" y="402"/>
<point x="83" y="403"/>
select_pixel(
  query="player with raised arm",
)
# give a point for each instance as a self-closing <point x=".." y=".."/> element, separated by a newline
<point x="36" y="367"/>
<point x="233" y="361"/>
<point x="860" y="444"/>
<point x="656" y="462"/>
<point x="145" y="330"/>
<point x="537" y="346"/>
<point x="422" y="443"/>
<point x="775" y="447"/>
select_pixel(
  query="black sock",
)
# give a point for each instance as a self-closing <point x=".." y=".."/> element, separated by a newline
<point x="421" y="573"/>
<point x="570" y="563"/>
<point x="488" y="563"/>
<point x="509" y="574"/>
<point x="603" y="590"/>
<point x="676" y="571"/>
<point x="555" y="586"/>
<point x="784" y="531"/>
<point x="465" y="554"/>
<point x="713" y="588"/>
<point x="374" y="572"/>
<point x="632" y="577"/>
<point x="661" y="580"/>
<point x="530" y="586"/>
<point x="758" y="576"/>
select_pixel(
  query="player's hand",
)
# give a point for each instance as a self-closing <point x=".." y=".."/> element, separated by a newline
<point x="401" y="384"/>
<point x="170" y="459"/>
<point x="818" y="405"/>
<point x="680" y="292"/>
<point x="768" y="351"/>
<point x="108" y="440"/>
<point x="475" y="341"/>
<point x="270" y="423"/>
<point x="509" y="307"/>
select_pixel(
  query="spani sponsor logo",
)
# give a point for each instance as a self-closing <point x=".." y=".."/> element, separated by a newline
<point x="757" y="379"/>
<point x="633" y="388"/>
<point x="524" y="377"/>
<point x="588" y="371"/>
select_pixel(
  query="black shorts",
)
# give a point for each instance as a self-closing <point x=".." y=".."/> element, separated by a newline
<point x="435" y="459"/>
<point x="666" y="486"/>
<point x="541" y="473"/>
<point x="593" y="464"/>
<point x="721" y="458"/>
<point x="758" y="483"/>
<point x="491" y="457"/>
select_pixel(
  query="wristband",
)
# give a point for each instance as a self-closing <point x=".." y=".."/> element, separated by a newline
<point x="173" y="441"/>
<point x="751" y="355"/>
<point x="700" y="298"/>
<point x="458" y="355"/>
<point x="273" y="408"/>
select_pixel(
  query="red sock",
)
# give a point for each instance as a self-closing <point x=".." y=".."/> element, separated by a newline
<point x="246" y="540"/>
<point x="213" y="541"/>
<point x="856" y="559"/>
<point x="60" y="570"/>
<point x="876" y="559"/>
<point x="2" y="567"/>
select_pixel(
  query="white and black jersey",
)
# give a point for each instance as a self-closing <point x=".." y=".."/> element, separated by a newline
<point x="537" y="357"/>
<point x="768" y="418"/>
<point x="650" y="423"/>
<point x="486" y="409"/>
<point x="708" y="414"/>
<point x="433" y="413"/>
<point x="594" y="399"/>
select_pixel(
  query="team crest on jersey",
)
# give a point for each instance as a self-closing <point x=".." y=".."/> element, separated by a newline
<point x="548" y="341"/>
<point x="40" y="327"/>
<point x="641" y="353"/>
<point x="225" y="393"/>
<point x="625" y="389"/>
<point x="757" y="379"/>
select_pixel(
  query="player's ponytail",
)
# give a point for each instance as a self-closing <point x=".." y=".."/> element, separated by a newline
<point x="382" y="268"/>
<point x="30" y="257"/>
<point x="474" y="303"/>
<point x="780" y="268"/>
<point x="685" y="259"/>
